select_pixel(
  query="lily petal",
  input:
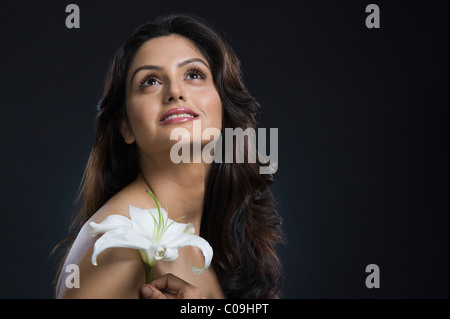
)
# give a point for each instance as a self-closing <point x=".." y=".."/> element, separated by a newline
<point x="176" y="230"/>
<point x="195" y="241"/>
<point x="148" y="256"/>
<point x="143" y="221"/>
<point x="170" y="254"/>
<point x="125" y="237"/>
<point x="189" y="229"/>
<point x="109" y="223"/>
<point x="180" y="228"/>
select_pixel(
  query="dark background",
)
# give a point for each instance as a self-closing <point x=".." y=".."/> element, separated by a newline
<point x="363" y="119"/>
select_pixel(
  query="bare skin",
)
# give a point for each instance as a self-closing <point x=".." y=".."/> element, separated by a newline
<point x="150" y="93"/>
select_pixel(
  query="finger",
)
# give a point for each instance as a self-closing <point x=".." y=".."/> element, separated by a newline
<point x="170" y="295"/>
<point x="145" y="292"/>
<point x="158" y="295"/>
<point x="170" y="282"/>
<point x="189" y="293"/>
<point x="150" y="292"/>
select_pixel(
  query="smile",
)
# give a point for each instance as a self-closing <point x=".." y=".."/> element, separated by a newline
<point x="178" y="115"/>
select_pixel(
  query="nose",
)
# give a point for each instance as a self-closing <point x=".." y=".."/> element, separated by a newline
<point x="175" y="92"/>
<point x="171" y="98"/>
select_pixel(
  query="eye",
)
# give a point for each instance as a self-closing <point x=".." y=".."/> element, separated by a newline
<point x="195" y="74"/>
<point x="147" y="81"/>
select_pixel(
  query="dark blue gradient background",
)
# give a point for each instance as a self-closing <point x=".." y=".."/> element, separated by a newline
<point x="363" y="119"/>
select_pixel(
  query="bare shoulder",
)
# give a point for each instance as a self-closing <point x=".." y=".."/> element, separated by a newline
<point x="134" y="194"/>
<point x="120" y="271"/>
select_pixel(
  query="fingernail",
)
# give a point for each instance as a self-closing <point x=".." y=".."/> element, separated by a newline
<point x="148" y="291"/>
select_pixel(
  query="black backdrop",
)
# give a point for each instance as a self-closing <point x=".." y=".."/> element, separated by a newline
<point x="363" y="126"/>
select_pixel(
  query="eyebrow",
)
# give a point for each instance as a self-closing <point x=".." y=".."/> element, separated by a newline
<point x="160" y="68"/>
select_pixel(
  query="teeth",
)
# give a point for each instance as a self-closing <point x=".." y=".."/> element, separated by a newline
<point x="177" y="115"/>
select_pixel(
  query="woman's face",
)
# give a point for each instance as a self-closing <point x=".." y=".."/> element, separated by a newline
<point x="169" y="85"/>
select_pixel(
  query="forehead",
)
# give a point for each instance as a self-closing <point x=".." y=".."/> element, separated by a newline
<point x="165" y="51"/>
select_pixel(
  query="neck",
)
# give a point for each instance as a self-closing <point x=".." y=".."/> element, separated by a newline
<point x="179" y="188"/>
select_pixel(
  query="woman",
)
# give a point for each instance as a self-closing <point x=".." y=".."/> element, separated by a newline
<point x="175" y="65"/>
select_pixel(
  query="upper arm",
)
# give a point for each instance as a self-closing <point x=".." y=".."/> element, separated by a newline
<point x="119" y="273"/>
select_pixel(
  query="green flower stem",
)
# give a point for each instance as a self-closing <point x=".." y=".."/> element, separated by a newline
<point x="148" y="268"/>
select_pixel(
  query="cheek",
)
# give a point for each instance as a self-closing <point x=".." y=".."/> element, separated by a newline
<point x="141" y="111"/>
<point x="212" y="106"/>
<point x="142" y="115"/>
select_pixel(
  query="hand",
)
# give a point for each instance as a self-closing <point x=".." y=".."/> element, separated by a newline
<point x="170" y="287"/>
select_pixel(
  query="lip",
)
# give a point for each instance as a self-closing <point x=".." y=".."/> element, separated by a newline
<point x="180" y="119"/>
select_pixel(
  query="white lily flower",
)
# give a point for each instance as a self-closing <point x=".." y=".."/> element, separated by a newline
<point x="152" y="232"/>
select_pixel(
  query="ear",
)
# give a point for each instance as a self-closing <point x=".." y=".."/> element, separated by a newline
<point x="126" y="132"/>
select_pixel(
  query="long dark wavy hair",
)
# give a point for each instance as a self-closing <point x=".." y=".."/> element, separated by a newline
<point x="239" y="219"/>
